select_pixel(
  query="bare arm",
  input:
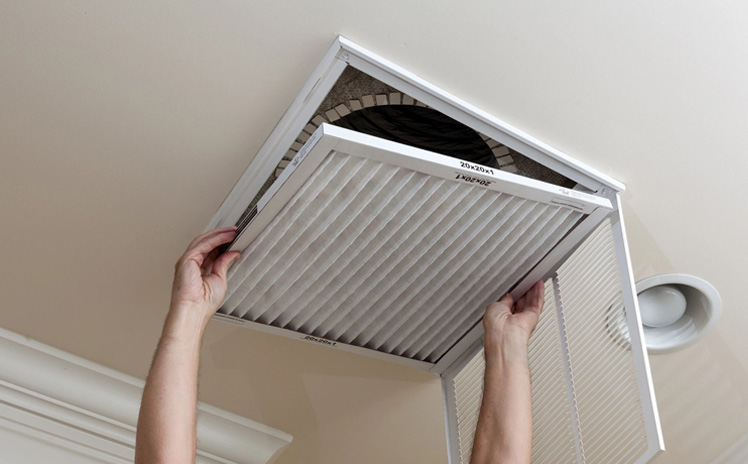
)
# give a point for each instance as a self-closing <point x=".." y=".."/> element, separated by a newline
<point x="166" y="425"/>
<point x="504" y="431"/>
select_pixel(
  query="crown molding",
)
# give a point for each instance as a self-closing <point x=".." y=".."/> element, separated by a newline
<point x="54" y="396"/>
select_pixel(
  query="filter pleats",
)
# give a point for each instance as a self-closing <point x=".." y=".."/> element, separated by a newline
<point x="388" y="258"/>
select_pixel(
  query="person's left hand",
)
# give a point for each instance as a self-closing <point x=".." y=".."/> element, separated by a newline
<point x="200" y="274"/>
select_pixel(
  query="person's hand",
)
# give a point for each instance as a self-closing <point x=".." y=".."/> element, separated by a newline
<point x="200" y="274"/>
<point x="505" y="320"/>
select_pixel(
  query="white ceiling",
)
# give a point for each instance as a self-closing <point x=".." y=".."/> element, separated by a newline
<point x="124" y="124"/>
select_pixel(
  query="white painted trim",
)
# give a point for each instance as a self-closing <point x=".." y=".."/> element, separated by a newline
<point x="638" y="346"/>
<point x="63" y="436"/>
<point x="59" y="398"/>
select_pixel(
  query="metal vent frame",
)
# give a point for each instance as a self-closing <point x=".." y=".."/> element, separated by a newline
<point x="344" y="53"/>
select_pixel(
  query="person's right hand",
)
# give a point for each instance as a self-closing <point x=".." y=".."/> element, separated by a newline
<point x="506" y="320"/>
<point x="200" y="274"/>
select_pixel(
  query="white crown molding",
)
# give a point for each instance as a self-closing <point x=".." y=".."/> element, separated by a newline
<point x="59" y="398"/>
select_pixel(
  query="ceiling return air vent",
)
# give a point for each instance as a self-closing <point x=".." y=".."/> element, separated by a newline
<point x="382" y="215"/>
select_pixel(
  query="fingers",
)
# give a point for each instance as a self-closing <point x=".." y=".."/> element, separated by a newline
<point x="207" y="266"/>
<point x="505" y="304"/>
<point x="208" y="234"/>
<point x="538" y="296"/>
<point x="224" y="262"/>
<point x="204" y="244"/>
<point x="533" y="300"/>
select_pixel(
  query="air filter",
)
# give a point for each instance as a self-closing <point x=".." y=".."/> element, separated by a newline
<point x="383" y="246"/>
<point x="390" y="243"/>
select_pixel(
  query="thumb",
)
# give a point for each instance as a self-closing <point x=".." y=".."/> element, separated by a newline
<point x="507" y="299"/>
<point x="224" y="262"/>
<point x="504" y="305"/>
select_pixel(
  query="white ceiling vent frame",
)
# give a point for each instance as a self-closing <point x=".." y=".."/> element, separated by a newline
<point x="345" y="53"/>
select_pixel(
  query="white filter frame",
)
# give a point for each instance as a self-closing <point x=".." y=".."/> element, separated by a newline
<point x="329" y="138"/>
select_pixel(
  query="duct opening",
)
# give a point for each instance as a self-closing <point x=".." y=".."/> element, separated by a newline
<point x="421" y="127"/>
<point x="356" y="92"/>
<point x="360" y="102"/>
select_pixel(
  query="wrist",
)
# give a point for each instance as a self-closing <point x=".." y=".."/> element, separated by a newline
<point x="509" y="347"/>
<point x="184" y="323"/>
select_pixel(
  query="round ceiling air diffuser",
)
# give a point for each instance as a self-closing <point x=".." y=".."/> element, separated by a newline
<point x="677" y="310"/>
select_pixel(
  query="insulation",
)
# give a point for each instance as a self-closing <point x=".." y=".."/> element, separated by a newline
<point x="378" y="256"/>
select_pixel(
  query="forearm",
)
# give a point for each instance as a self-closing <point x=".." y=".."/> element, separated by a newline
<point x="166" y="425"/>
<point x="504" y="430"/>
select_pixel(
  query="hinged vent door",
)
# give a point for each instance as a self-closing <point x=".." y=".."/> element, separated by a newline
<point x="390" y="249"/>
<point x="591" y="389"/>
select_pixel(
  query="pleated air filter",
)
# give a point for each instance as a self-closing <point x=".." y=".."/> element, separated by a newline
<point x="383" y="246"/>
<point x="386" y="231"/>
